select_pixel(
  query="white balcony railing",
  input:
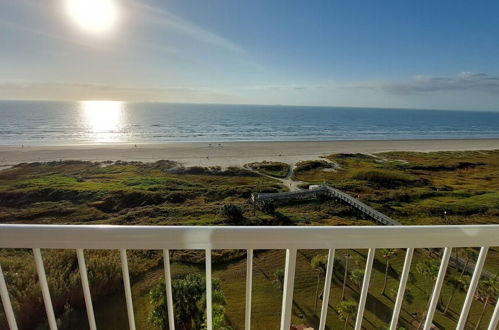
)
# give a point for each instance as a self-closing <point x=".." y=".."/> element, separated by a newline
<point x="291" y="239"/>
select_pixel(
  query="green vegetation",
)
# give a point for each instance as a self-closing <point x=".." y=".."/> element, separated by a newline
<point x="279" y="278"/>
<point x="189" y="298"/>
<point x="233" y="213"/>
<point x="413" y="188"/>
<point x="345" y="310"/>
<point x="419" y="188"/>
<point x="124" y="193"/>
<point x="319" y="264"/>
<point x="387" y="255"/>
<point x="276" y="169"/>
<point x="303" y="168"/>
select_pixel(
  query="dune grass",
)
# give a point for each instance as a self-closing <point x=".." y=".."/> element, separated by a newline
<point x="275" y="169"/>
<point x="413" y="188"/>
<point x="416" y="188"/>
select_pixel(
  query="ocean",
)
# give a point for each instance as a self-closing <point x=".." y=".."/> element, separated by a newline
<point x="102" y="122"/>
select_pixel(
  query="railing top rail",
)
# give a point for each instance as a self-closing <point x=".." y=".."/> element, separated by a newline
<point x="244" y="237"/>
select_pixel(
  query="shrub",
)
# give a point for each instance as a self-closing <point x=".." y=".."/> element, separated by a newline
<point x="267" y="207"/>
<point x="308" y="165"/>
<point x="232" y="212"/>
<point x="277" y="169"/>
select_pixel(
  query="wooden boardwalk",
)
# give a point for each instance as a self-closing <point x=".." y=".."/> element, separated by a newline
<point x="377" y="216"/>
<point x="324" y="190"/>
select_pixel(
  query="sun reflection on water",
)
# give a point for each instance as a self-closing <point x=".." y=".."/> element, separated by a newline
<point x="104" y="120"/>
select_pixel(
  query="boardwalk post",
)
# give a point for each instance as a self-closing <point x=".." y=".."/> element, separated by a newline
<point x="253" y="200"/>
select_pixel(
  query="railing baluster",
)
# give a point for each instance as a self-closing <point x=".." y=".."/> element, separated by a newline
<point x="168" y="288"/>
<point x="494" y="321"/>
<point x="42" y="278"/>
<point x="327" y="288"/>
<point x="249" y="283"/>
<point x="472" y="288"/>
<point x="128" y="289"/>
<point x="209" y="310"/>
<point x="86" y="289"/>
<point x="401" y="291"/>
<point x="365" y="288"/>
<point x="7" y="306"/>
<point x="438" y="288"/>
<point x="288" y="287"/>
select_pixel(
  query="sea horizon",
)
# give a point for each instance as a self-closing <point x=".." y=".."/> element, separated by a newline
<point x="246" y="104"/>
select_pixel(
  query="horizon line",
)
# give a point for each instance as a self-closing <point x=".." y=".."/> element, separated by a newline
<point x="253" y="104"/>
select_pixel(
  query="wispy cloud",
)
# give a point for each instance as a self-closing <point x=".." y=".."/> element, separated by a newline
<point x="81" y="91"/>
<point x="278" y="87"/>
<point x="166" y="19"/>
<point x="421" y="84"/>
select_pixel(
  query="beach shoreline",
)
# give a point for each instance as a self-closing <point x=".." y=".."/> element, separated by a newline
<point x="226" y="154"/>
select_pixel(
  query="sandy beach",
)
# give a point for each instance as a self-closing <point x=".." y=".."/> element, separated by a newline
<point x="229" y="153"/>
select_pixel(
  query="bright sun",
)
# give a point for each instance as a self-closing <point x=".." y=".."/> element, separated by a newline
<point x="94" y="16"/>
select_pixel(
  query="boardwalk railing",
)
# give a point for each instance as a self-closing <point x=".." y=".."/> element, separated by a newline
<point x="291" y="239"/>
<point x="331" y="192"/>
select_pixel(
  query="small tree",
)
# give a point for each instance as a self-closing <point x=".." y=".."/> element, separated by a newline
<point x="345" y="310"/>
<point x="186" y="292"/>
<point x="356" y="276"/>
<point x="189" y="301"/>
<point x="231" y="212"/>
<point x="387" y="254"/>
<point x="319" y="264"/>
<point x="279" y="278"/>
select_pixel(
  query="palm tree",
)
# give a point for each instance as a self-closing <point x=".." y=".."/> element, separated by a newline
<point x="428" y="269"/>
<point x="356" y="276"/>
<point x="488" y="288"/>
<point x="387" y="254"/>
<point x="347" y="256"/>
<point x="279" y="278"/>
<point x="458" y="282"/>
<point x="187" y="292"/>
<point x="189" y="297"/>
<point x="345" y="309"/>
<point x="319" y="263"/>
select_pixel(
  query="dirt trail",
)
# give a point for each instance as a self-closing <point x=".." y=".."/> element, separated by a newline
<point x="287" y="181"/>
<point x="293" y="185"/>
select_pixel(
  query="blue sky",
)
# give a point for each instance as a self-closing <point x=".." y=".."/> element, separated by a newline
<point x="416" y="54"/>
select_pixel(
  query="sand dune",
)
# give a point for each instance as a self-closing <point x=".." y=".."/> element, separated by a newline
<point x="229" y="153"/>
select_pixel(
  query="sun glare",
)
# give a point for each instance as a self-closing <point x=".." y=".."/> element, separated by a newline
<point x="103" y="119"/>
<point x="93" y="16"/>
